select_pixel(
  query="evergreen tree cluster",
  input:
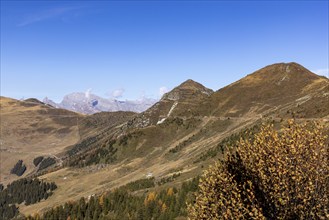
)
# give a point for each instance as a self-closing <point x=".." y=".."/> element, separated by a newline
<point x="105" y="154"/>
<point x="29" y="191"/>
<point x="8" y="211"/>
<point x="121" y="204"/>
<point x="83" y="145"/>
<point x="140" y="184"/>
<point x="170" y="178"/>
<point x="19" y="168"/>
<point x="123" y="141"/>
<point x="37" y="160"/>
<point x="47" y="162"/>
<point x="181" y="145"/>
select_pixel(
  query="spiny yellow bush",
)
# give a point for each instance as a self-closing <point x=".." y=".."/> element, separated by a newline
<point x="276" y="175"/>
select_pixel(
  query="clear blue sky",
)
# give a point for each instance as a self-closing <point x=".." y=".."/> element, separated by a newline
<point x="52" y="48"/>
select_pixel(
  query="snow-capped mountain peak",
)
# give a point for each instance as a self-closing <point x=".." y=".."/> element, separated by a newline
<point x="88" y="103"/>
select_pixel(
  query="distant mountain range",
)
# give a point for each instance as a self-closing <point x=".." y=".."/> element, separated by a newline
<point x="172" y="140"/>
<point x="91" y="104"/>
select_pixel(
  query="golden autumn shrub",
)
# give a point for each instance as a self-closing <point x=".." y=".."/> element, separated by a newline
<point x="276" y="175"/>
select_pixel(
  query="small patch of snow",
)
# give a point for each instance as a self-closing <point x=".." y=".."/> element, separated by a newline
<point x="207" y="93"/>
<point x="285" y="78"/>
<point x="149" y="175"/>
<point x="172" y="108"/>
<point x="304" y="98"/>
<point x="287" y="69"/>
<point x="161" y="121"/>
<point x="169" y="113"/>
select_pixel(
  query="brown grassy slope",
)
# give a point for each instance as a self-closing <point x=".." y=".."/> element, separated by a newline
<point x="30" y="129"/>
<point x="184" y="97"/>
<point x="198" y="123"/>
<point x="270" y="88"/>
<point x="95" y="130"/>
<point x="103" y="121"/>
<point x="146" y="151"/>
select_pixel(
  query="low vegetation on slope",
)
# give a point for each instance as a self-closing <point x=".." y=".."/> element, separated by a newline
<point x="19" y="168"/>
<point x="121" y="203"/>
<point x="136" y="143"/>
<point x="25" y="191"/>
<point x="274" y="176"/>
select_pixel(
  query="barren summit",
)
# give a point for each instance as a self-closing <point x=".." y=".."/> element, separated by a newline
<point x="283" y="73"/>
<point x="274" y="87"/>
<point x="187" y="91"/>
